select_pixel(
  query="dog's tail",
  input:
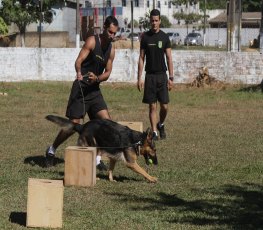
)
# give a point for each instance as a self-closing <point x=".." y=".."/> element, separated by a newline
<point x="66" y="124"/>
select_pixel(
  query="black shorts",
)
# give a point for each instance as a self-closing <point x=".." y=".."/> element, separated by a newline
<point x="156" y="89"/>
<point x="91" y="103"/>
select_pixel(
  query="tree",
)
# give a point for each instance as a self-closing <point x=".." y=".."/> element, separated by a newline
<point x="184" y="2"/>
<point x="3" y="27"/>
<point x="165" y="23"/>
<point x="145" y="21"/>
<point x="189" y="18"/>
<point x="260" y="39"/>
<point x="251" y="5"/>
<point x="247" y="5"/>
<point x="24" y="12"/>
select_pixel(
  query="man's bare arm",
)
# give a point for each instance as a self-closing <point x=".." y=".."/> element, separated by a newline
<point x="84" y="52"/>
<point x="140" y="69"/>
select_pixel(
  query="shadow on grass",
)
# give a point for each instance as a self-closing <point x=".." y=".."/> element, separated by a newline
<point x="253" y="88"/>
<point x="105" y="176"/>
<point x="18" y="218"/>
<point x="41" y="161"/>
<point x="237" y="207"/>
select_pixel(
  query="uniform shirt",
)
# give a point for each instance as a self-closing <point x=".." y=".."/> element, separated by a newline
<point x="155" y="45"/>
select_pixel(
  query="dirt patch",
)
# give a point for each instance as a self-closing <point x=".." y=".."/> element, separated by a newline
<point x="126" y="44"/>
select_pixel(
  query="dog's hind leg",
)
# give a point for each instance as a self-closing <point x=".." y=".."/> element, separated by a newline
<point x="111" y="168"/>
<point x="136" y="168"/>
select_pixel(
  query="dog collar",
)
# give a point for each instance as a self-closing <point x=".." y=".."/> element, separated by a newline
<point x="139" y="143"/>
<point x="136" y="147"/>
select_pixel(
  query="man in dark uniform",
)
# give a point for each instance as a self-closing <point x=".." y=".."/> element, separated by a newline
<point x="93" y="65"/>
<point x="155" y="45"/>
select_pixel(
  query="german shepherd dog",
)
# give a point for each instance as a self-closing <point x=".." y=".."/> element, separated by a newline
<point x="115" y="141"/>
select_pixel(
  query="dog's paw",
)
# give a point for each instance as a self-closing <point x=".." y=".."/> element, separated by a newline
<point x="152" y="179"/>
<point x="111" y="179"/>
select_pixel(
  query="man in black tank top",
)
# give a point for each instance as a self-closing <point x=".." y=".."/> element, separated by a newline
<point x="93" y="65"/>
<point x="155" y="45"/>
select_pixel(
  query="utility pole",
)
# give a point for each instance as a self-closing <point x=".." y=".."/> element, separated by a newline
<point x="228" y="26"/>
<point x="204" y="35"/>
<point x="77" y="25"/>
<point x="132" y="24"/>
<point x="261" y="31"/>
<point x="234" y="25"/>
<point x="40" y="22"/>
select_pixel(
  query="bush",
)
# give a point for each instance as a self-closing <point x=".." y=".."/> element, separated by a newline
<point x="165" y="23"/>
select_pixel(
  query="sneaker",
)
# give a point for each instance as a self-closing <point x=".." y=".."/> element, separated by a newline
<point x="101" y="166"/>
<point x="155" y="136"/>
<point x="161" y="131"/>
<point x="50" y="155"/>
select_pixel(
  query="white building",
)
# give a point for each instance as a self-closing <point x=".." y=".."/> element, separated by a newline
<point x="140" y="8"/>
<point x="94" y="12"/>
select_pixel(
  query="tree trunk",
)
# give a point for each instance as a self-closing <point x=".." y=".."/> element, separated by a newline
<point x="261" y="31"/>
<point x="22" y="31"/>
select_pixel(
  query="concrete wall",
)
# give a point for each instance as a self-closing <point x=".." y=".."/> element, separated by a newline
<point x="48" y="40"/>
<point x="23" y="64"/>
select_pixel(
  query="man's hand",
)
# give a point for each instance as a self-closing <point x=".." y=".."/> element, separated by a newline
<point x="140" y="84"/>
<point x="170" y="84"/>
<point x="79" y="76"/>
<point x="92" y="77"/>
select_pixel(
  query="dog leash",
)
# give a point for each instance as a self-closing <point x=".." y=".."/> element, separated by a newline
<point x="82" y="94"/>
<point x="136" y="145"/>
<point x="84" y="107"/>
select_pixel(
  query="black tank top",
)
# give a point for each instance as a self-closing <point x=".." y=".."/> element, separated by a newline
<point x="95" y="62"/>
<point x="97" y="59"/>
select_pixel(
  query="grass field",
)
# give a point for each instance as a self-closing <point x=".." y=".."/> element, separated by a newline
<point x="210" y="170"/>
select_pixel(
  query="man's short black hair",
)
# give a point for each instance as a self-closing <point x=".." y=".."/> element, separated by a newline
<point x="155" y="12"/>
<point x="110" y="20"/>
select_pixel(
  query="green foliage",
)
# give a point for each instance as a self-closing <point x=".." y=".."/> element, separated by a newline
<point x="135" y="24"/>
<point x="213" y="4"/>
<point x="251" y="5"/>
<point x="184" y="2"/>
<point x="165" y="23"/>
<point x="25" y="12"/>
<point x="188" y="18"/>
<point x="3" y="27"/>
<point x="145" y="21"/>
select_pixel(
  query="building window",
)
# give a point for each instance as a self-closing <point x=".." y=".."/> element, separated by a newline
<point x="124" y="3"/>
<point x="170" y="4"/>
<point x="87" y="4"/>
<point x="108" y="3"/>
<point x="159" y="4"/>
<point x="148" y="4"/>
<point x="136" y="3"/>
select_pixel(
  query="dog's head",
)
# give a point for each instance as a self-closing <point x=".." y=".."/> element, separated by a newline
<point x="148" y="149"/>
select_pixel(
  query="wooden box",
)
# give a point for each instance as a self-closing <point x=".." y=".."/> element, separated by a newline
<point x="80" y="166"/>
<point x="45" y="203"/>
<point x="138" y="126"/>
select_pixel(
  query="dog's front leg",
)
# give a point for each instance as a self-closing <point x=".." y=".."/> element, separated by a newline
<point x="111" y="168"/>
<point x="137" y="168"/>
